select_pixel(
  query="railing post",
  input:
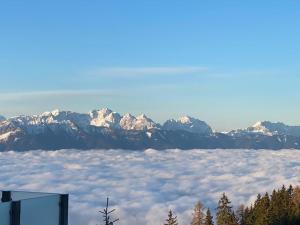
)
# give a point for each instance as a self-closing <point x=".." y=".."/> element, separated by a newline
<point x="63" y="209"/>
<point x="6" y="196"/>
<point x="15" y="213"/>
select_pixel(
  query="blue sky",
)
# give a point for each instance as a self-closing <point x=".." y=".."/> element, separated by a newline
<point x="230" y="63"/>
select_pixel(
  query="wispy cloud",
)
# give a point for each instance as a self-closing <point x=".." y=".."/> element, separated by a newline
<point x="6" y="96"/>
<point x="35" y="102"/>
<point x="147" y="71"/>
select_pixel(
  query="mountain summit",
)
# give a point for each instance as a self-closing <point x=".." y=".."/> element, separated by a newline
<point x="278" y="128"/>
<point x="188" y="124"/>
<point x="141" y="122"/>
<point x="107" y="129"/>
<point x="105" y="118"/>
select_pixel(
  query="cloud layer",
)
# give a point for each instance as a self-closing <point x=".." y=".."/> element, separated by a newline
<point x="144" y="185"/>
<point x="145" y="71"/>
<point x="9" y="96"/>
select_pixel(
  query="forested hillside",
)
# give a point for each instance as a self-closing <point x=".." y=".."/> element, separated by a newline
<point x="281" y="207"/>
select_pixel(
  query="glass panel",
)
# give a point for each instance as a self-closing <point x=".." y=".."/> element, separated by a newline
<point x="20" y="195"/>
<point x="40" y="211"/>
<point x="4" y="213"/>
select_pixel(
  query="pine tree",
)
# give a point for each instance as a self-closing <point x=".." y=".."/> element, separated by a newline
<point x="278" y="207"/>
<point x="285" y="205"/>
<point x="172" y="220"/>
<point x="275" y="208"/>
<point x="248" y="216"/>
<point x="107" y="215"/>
<point x="198" y="215"/>
<point x="208" y="218"/>
<point x="291" y="207"/>
<point x="241" y="214"/>
<point x="295" y="214"/>
<point x="225" y="214"/>
<point x="261" y="210"/>
<point x="234" y="219"/>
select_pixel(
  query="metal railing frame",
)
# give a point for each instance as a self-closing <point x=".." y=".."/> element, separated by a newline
<point x="15" y="210"/>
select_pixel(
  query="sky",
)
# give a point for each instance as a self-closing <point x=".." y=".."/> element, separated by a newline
<point x="229" y="63"/>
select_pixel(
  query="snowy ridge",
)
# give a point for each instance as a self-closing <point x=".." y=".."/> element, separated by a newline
<point x="98" y="118"/>
<point x="141" y="122"/>
<point x="107" y="129"/>
<point x="269" y="129"/>
<point x="277" y="128"/>
<point x="105" y="118"/>
<point x="188" y="124"/>
<point x="5" y="136"/>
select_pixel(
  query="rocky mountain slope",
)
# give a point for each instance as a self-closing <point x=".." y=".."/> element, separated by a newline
<point x="2" y="118"/>
<point x="107" y="129"/>
<point x="188" y="124"/>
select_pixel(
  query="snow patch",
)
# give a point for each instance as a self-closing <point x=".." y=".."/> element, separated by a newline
<point x="5" y="136"/>
<point x="188" y="124"/>
<point x="149" y="134"/>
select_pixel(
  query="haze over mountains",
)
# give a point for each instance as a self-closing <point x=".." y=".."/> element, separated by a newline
<point x="2" y="118"/>
<point x="107" y="129"/>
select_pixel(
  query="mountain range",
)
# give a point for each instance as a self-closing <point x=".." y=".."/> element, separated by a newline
<point x="106" y="129"/>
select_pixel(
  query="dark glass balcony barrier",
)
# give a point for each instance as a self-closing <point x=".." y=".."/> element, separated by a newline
<point x="33" y="208"/>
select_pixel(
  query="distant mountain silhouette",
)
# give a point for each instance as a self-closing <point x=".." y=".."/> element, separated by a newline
<point x="109" y="130"/>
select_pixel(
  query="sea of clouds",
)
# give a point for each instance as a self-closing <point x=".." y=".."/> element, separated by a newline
<point x="143" y="185"/>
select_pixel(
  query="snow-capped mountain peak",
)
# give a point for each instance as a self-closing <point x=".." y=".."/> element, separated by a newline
<point x="145" y="123"/>
<point x="188" y="123"/>
<point x="127" y="121"/>
<point x="105" y="118"/>
<point x="141" y="122"/>
<point x="104" y="128"/>
<point x="268" y="128"/>
<point x="55" y="112"/>
<point x="274" y="128"/>
<point x="260" y="127"/>
<point x="128" y="115"/>
<point x="142" y="116"/>
<point x="186" y="120"/>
